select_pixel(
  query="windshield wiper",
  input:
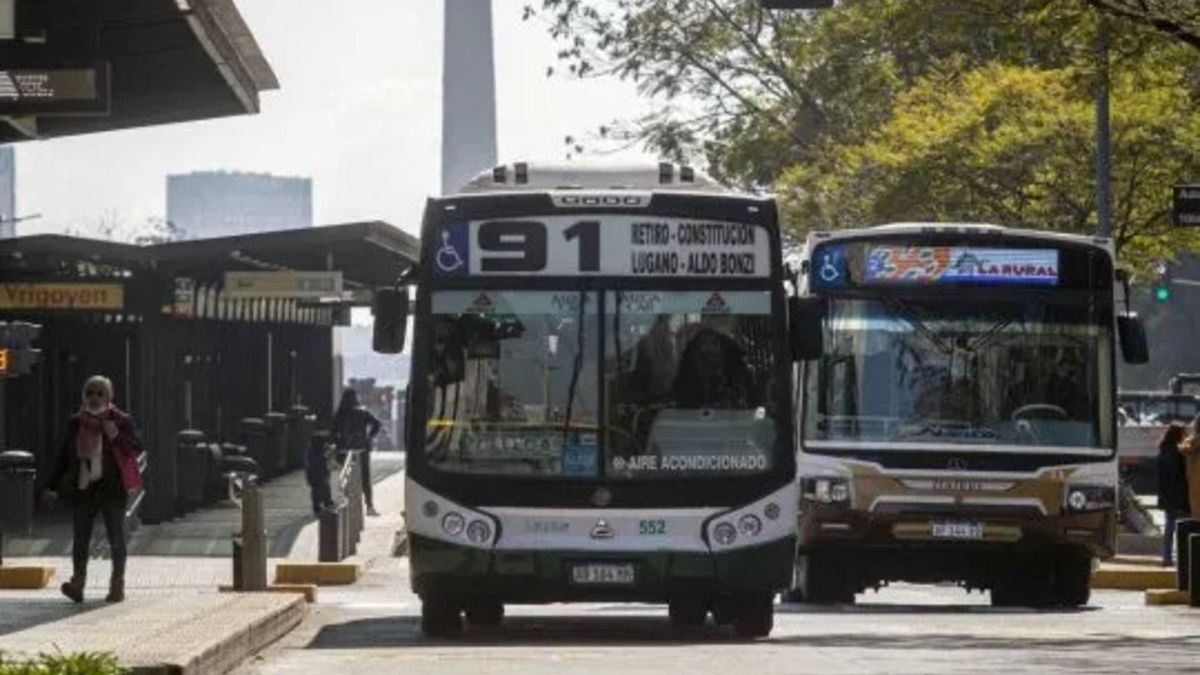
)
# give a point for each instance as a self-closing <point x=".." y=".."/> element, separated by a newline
<point x="576" y="367"/>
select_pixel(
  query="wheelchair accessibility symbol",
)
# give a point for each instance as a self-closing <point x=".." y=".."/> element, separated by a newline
<point x="829" y="271"/>
<point x="450" y="256"/>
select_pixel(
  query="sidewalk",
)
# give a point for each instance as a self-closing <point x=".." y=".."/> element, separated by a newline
<point x="174" y="615"/>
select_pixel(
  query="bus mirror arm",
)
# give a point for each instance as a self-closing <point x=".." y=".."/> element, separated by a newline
<point x="1135" y="348"/>
<point x="806" y="330"/>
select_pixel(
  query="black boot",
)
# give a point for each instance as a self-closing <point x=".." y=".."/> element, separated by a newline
<point x="73" y="589"/>
<point x="116" y="590"/>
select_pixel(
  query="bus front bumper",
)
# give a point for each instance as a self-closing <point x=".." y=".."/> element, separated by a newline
<point x="531" y="577"/>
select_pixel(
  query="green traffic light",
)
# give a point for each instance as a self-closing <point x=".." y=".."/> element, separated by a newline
<point x="1162" y="292"/>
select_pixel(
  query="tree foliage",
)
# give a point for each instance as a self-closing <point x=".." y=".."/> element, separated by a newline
<point x="1178" y="19"/>
<point x="895" y="109"/>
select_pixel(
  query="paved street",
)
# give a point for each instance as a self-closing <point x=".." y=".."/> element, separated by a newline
<point x="373" y="627"/>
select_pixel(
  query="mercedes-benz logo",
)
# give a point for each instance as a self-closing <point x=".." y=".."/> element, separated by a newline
<point x="601" y="497"/>
<point x="956" y="464"/>
<point x="601" y="530"/>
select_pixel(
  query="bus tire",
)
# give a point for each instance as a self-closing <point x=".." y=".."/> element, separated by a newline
<point x="1028" y="585"/>
<point x="1073" y="579"/>
<point x="484" y="613"/>
<point x="821" y="581"/>
<point x="440" y="618"/>
<point x="687" y="612"/>
<point x="755" y="616"/>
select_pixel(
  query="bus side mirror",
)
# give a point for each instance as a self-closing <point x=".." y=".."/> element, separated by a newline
<point x="805" y="327"/>
<point x="391" y="320"/>
<point x="1135" y="348"/>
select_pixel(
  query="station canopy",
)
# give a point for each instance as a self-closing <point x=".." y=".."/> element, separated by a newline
<point x="368" y="254"/>
<point x="83" y="66"/>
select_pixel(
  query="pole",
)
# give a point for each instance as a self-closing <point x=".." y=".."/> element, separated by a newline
<point x="1103" y="133"/>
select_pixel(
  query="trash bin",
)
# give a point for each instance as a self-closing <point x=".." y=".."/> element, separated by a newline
<point x="277" y="448"/>
<point x="301" y="425"/>
<point x="190" y="484"/>
<point x="253" y="432"/>
<point x="18" y="471"/>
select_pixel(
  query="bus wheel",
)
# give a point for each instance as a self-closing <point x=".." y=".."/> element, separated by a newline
<point x="821" y="582"/>
<point x="1073" y="579"/>
<point x="484" y="613"/>
<point x="755" y="616"/>
<point x="440" y="618"/>
<point x="689" y="612"/>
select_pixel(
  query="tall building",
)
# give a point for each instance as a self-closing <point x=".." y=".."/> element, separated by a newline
<point x="8" y="191"/>
<point x="468" y="93"/>
<point x="221" y="203"/>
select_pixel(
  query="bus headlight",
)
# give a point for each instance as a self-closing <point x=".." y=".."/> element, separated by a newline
<point x="453" y="523"/>
<point x="749" y="524"/>
<point x="771" y="511"/>
<point x="430" y="509"/>
<point x="826" y="490"/>
<point x="1090" y="497"/>
<point x="479" y="531"/>
<point x="725" y="534"/>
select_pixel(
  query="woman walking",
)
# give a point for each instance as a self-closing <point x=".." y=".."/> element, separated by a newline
<point x="355" y="428"/>
<point x="96" y="467"/>
<point x="1172" y="485"/>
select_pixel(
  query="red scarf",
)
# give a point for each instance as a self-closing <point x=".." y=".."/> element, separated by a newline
<point x="89" y="442"/>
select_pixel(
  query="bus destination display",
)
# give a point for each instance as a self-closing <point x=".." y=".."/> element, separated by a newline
<point x="623" y="245"/>
<point x="879" y="265"/>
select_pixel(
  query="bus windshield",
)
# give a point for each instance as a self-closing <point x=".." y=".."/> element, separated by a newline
<point x="1021" y="374"/>
<point x="515" y="384"/>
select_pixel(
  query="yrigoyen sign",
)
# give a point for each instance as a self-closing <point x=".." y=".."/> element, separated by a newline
<point x="303" y="285"/>
<point x="1186" y="211"/>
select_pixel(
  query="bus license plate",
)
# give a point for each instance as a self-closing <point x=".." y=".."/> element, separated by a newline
<point x="603" y="574"/>
<point x="957" y="530"/>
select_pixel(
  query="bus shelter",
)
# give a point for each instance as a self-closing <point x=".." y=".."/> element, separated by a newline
<point x="184" y="350"/>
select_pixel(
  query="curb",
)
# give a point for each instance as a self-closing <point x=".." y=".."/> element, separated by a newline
<point x="1167" y="596"/>
<point x="320" y="574"/>
<point x="400" y="543"/>
<point x="1130" y="578"/>
<point x="230" y="652"/>
<point x="25" y="578"/>
<point x="309" y="591"/>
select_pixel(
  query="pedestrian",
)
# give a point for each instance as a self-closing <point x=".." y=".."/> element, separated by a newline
<point x="355" y="428"/>
<point x="1172" y="485"/>
<point x="1190" y="449"/>
<point x="95" y="469"/>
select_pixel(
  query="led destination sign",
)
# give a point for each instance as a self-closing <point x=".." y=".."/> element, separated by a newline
<point x="961" y="264"/>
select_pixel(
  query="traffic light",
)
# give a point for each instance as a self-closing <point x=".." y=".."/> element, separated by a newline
<point x="1162" y="291"/>
<point x="1162" y="286"/>
<point x="16" y="355"/>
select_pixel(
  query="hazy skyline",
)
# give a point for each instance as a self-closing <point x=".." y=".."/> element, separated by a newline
<point x="362" y="118"/>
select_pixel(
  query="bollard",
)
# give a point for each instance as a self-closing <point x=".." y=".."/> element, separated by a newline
<point x="327" y="536"/>
<point x="254" y="538"/>
<point x="1194" y="571"/>
<point x="238" y="582"/>
<point x="1184" y="529"/>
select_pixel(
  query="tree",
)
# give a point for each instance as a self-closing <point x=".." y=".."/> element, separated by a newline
<point x="1178" y="19"/>
<point x="1011" y="145"/>
<point x="887" y="109"/>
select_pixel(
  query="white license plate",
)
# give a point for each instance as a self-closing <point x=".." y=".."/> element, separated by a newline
<point x="603" y="573"/>
<point x="957" y="530"/>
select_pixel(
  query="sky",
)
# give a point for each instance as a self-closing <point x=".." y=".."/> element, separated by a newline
<point x="358" y="111"/>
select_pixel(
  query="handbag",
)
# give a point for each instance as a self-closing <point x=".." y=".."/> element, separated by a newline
<point x="127" y="461"/>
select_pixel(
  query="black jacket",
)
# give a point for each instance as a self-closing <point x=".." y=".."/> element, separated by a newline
<point x="64" y="478"/>
<point x="1172" y="480"/>
<point x="354" y="428"/>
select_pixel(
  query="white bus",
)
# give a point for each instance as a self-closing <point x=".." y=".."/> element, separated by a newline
<point x="960" y="425"/>
<point x="600" y="403"/>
